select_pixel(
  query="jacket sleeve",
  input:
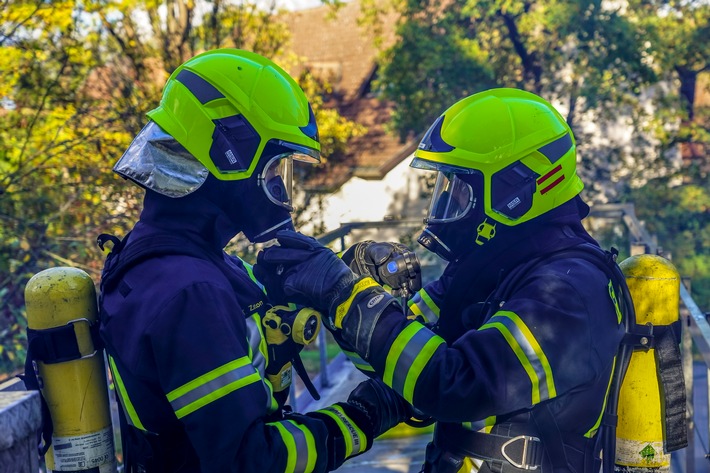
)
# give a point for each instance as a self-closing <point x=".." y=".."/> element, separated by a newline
<point x="425" y="304"/>
<point x="536" y="347"/>
<point x="203" y="359"/>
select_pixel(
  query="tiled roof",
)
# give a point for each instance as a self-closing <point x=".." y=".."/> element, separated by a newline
<point x="332" y="43"/>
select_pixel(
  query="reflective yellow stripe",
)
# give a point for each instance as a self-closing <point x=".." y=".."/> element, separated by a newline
<point x="595" y="427"/>
<point x="344" y="307"/>
<point x="300" y="446"/>
<point x="212" y="386"/>
<point x="396" y="349"/>
<point x="409" y="354"/>
<point x="489" y="423"/>
<point x="133" y="418"/>
<point x="355" y="440"/>
<point x="423" y="305"/>
<point x="414" y="309"/>
<point x="417" y="366"/>
<point x="290" y="443"/>
<point x="615" y="301"/>
<point x="250" y="272"/>
<point x="528" y="352"/>
<point x="358" y="361"/>
<point x="258" y="354"/>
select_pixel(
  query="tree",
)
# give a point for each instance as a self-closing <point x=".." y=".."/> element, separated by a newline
<point x="78" y="79"/>
<point x="676" y="206"/>
<point x="623" y="73"/>
<point x="55" y="136"/>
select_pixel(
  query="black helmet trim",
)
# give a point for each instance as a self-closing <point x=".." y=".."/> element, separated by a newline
<point x="433" y="141"/>
<point x="200" y="88"/>
<point x="558" y="148"/>
<point x="311" y="130"/>
<point x="234" y="143"/>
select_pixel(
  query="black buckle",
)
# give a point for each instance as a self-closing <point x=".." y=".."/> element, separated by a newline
<point x="528" y="452"/>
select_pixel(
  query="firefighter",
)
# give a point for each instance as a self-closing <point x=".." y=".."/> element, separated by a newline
<point x="180" y="318"/>
<point x="513" y="348"/>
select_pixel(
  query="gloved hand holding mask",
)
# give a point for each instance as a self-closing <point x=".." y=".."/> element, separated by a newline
<point x="303" y="271"/>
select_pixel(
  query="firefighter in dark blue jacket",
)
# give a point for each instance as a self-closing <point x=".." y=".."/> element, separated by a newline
<point x="181" y="319"/>
<point x="512" y="349"/>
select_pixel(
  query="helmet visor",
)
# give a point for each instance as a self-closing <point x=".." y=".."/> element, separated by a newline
<point x="277" y="177"/>
<point x="156" y="161"/>
<point x="452" y="199"/>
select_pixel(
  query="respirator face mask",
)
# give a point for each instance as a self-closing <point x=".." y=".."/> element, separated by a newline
<point x="454" y="211"/>
<point x="271" y="210"/>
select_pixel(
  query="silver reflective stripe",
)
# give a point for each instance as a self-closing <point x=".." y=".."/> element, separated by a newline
<point x="422" y="304"/>
<point x="358" y="361"/>
<point x="528" y="352"/>
<point x="302" y="450"/>
<point x="406" y="359"/>
<point x="211" y="386"/>
<point x="255" y="338"/>
<point x="408" y="356"/>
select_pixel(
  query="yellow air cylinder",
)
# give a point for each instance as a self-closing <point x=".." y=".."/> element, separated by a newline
<point x="75" y="391"/>
<point x="654" y="284"/>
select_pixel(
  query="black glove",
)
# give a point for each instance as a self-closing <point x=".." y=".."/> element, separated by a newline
<point x="391" y="264"/>
<point x="303" y="271"/>
<point x="383" y="407"/>
<point x="372" y="409"/>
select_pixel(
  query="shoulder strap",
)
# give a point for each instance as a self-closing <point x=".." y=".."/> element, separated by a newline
<point x="605" y="261"/>
<point x="122" y="257"/>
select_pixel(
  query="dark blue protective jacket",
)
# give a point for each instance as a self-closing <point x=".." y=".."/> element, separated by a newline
<point x="184" y="338"/>
<point x="493" y="365"/>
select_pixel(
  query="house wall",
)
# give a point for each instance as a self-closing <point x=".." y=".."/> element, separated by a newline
<point x="400" y="195"/>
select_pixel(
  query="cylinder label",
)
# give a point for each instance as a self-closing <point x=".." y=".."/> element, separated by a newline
<point x="84" y="451"/>
<point x="642" y="454"/>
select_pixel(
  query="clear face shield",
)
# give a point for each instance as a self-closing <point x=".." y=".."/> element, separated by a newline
<point x="276" y="179"/>
<point x="452" y="198"/>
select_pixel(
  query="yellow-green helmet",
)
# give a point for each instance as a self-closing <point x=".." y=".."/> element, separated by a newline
<point x="224" y="106"/>
<point x="518" y="142"/>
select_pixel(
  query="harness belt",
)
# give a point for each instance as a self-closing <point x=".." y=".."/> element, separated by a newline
<point x="522" y="451"/>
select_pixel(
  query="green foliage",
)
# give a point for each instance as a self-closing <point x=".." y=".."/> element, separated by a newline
<point x="55" y="136"/>
<point x="680" y="217"/>
<point x="78" y="79"/>
<point x="631" y="66"/>
<point x="430" y="66"/>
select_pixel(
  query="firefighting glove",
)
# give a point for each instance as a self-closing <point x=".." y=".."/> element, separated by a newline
<point x="372" y="409"/>
<point x="383" y="407"/>
<point x="303" y="271"/>
<point x="390" y="264"/>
